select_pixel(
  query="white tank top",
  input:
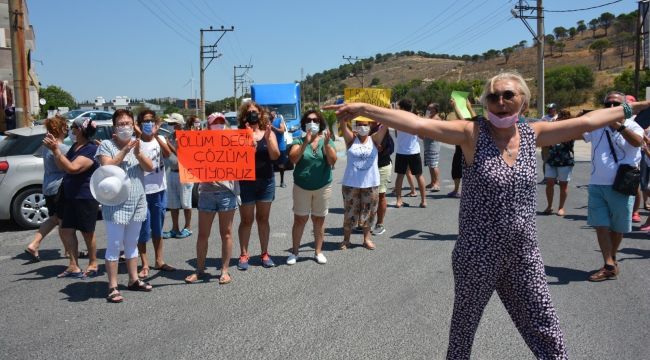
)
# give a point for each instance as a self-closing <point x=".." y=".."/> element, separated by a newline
<point x="361" y="170"/>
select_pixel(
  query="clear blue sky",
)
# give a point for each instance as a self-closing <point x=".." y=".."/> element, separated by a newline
<point x="148" y="48"/>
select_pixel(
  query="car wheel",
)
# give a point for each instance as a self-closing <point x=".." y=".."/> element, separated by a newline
<point x="28" y="208"/>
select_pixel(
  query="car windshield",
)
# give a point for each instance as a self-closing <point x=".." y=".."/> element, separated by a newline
<point x="21" y="145"/>
<point x="288" y="111"/>
<point x="73" y="114"/>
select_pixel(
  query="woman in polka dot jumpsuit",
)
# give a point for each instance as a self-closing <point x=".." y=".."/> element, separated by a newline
<point x="497" y="243"/>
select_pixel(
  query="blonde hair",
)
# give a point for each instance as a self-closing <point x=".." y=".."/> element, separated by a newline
<point x="507" y="75"/>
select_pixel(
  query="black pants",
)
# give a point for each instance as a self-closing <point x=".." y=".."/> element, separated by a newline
<point x="457" y="164"/>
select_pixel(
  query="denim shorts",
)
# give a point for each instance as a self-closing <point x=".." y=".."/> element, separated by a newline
<point x="153" y="224"/>
<point x="217" y="201"/>
<point x="258" y="190"/>
<point x="609" y="208"/>
<point x="560" y="173"/>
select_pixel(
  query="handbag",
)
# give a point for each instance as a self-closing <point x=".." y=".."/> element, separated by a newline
<point x="628" y="177"/>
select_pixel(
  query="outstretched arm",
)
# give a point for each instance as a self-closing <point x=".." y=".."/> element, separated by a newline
<point x="550" y="133"/>
<point x="450" y="132"/>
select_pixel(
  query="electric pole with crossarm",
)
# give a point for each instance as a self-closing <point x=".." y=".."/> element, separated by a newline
<point x="209" y="52"/>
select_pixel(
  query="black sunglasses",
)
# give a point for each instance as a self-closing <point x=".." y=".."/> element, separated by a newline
<point x="611" y="103"/>
<point x="494" y="97"/>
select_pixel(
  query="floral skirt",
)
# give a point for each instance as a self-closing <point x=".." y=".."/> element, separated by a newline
<point x="360" y="206"/>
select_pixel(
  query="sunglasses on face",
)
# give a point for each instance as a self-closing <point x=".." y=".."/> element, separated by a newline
<point x="312" y="119"/>
<point x="611" y="103"/>
<point x="494" y="97"/>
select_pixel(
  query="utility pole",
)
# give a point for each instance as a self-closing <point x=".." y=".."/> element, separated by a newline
<point x="518" y="12"/>
<point x="640" y="21"/>
<point x="239" y="80"/>
<point x="19" y="63"/>
<point x="209" y="52"/>
<point x="363" y="70"/>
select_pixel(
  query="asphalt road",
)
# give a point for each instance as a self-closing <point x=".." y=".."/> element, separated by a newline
<point x="391" y="303"/>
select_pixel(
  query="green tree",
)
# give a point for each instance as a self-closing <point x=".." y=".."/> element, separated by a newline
<point x="507" y="52"/>
<point x="550" y="41"/>
<point x="56" y="97"/>
<point x="572" y="32"/>
<point x="625" y="23"/>
<point x="625" y="82"/>
<point x="593" y="26"/>
<point x="171" y="109"/>
<point x="560" y="32"/>
<point x="606" y="20"/>
<point x="621" y="44"/>
<point x="581" y="26"/>
<point x="598" y="48"/>
<point x="559" y="46"/>
<point x="568" y="85"/>
<point x="374" y="82"/>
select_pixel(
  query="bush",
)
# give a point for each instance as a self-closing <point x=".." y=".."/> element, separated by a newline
<point x="568" y="85"/>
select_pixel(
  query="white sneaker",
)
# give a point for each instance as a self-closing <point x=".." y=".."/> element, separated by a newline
<point x="291" y="260"/>
<point x="321" y="259"/>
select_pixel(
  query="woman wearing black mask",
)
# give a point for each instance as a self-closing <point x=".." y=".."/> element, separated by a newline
<point x="259" y="193"/>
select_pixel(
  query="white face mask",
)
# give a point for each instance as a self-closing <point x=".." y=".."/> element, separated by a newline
<point x="363" y="130"/>
<point x="313" y="127"/>
<point x="125" y="133"/>
<point x="72" y="136"/>
<point x="217" y="126"/>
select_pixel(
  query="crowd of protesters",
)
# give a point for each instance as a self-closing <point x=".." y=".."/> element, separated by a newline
<point x="495" y="157"/>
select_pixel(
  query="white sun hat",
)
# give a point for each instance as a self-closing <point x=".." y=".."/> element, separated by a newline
<point x="110" y="185"/>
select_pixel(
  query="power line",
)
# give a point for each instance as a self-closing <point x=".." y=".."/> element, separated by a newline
<point x="209" y="7"/>
<point x="394" y="45"/>
<point x="589" y="8"/>
<point x="167" y="24"/>
<point x="470" y="29"/>
<point x="173" y="17"/>
<point x="432" y="31"/>
<point x="475" y="35"/>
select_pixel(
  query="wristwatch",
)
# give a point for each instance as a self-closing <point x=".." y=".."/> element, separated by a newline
<point x="621" y="128"/>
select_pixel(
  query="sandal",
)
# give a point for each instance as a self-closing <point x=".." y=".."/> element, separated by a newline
<point x="225" y="279"/>
<point x="435" y="188"/>
<point x="194" y="277"/>
<point x="369" y="245"/>
<point x="140" y="285"/>
<point x="548" y="211"/>
<point x="91" y="272"/>
<point x="114" y="296"/>
<point x="344" y="245"/>
<point x="33" y="255"/>
<point x="165" y="267"/>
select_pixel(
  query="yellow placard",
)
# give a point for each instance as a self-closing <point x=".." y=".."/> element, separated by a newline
<point x="379" y="97"/>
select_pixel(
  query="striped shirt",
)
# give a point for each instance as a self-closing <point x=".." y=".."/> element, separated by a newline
<point x="135" y="207"/>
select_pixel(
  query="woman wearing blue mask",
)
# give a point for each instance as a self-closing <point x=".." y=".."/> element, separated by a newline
<point x="313" y="156"/>
<point x="154" y="147"/>
<point x="497" y="242"/>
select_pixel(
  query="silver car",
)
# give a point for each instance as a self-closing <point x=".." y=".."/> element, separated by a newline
<point x="21" y="174"/>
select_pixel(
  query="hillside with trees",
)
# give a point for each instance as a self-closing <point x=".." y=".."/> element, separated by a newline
<point x="582" y="62"/>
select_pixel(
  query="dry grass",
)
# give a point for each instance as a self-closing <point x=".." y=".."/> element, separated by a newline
<point x="406" y="68"/>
